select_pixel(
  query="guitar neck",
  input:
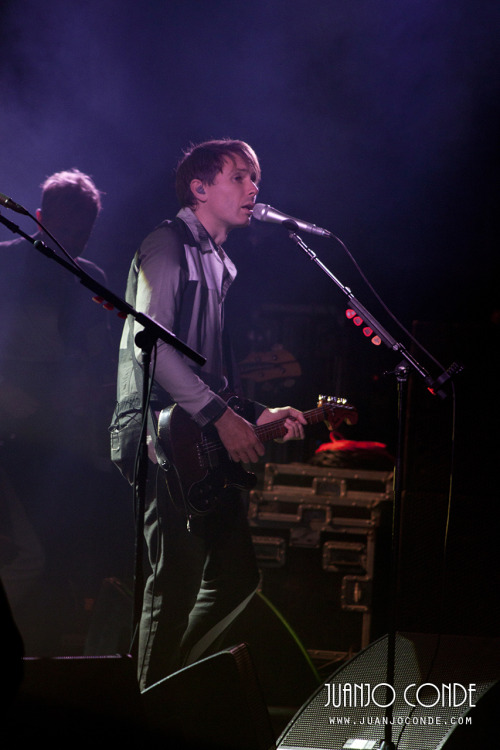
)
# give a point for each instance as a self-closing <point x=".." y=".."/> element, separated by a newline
<point x="332" y="414"/>
<point x="277" y="429"/>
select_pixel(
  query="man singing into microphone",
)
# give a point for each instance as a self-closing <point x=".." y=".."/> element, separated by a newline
<point x="202" y="576"/>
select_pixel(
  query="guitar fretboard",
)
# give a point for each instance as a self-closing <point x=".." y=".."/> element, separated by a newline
<point x="277" y="429"/>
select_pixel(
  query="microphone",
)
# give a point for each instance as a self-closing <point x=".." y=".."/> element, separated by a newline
<point x="263" y="212"/>
<point x="9" y="203"/>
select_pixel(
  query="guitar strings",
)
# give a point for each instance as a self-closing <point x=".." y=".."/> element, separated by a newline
<point x="265" y="430"/>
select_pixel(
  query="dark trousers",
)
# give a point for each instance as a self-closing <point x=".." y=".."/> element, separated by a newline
<point x="200" y="580"/>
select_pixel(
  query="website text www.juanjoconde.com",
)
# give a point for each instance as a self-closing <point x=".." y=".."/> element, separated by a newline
<point x="399" y="720"/>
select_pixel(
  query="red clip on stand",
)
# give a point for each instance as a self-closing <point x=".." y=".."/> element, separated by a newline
<point x="372" y="329"/>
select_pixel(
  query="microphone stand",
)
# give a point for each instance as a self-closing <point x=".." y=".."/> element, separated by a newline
<point x="401" y="372"/>
<point x="146" y="340"/>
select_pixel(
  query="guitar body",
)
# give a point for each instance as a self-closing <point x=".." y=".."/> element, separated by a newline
<point x="199" y="463"/>
<point x="202" y="466"/>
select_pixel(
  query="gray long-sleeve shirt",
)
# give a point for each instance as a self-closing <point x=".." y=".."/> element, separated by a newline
<point x="179" y="278"/>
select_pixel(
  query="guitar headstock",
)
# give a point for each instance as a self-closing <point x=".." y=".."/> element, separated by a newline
<point x="337" y="410"/>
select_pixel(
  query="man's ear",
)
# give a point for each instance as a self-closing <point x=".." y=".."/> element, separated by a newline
<point x="197" y="189"/>
<point x="38" y="214"/>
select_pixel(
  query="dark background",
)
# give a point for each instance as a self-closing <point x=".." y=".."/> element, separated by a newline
<point x="376" y="120"/>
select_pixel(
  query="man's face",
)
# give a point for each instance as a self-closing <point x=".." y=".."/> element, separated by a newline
<point x="229" y="201"/>
<point x="71" y="227"/>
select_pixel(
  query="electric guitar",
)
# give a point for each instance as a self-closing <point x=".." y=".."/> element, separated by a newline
<point x="200" y="463"/>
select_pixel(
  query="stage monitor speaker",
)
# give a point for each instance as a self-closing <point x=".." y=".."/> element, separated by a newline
<point x="445" y="695"/>
<point x="213" y="704"/>
<point x="285" y="671"/>
<point x="64" y="700"/>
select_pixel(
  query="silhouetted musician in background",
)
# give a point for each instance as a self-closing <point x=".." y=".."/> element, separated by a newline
<point x="53" y="355"/>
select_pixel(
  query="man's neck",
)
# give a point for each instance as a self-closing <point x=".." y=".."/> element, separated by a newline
<point x="217" y="232"/>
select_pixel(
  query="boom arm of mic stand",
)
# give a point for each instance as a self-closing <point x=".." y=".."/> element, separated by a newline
<point x="154" y="329"/>
<point x="146" y="340"/>
<point x="385" y="337"/>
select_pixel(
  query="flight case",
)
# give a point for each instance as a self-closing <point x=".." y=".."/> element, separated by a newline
<point x="322" y="539"/>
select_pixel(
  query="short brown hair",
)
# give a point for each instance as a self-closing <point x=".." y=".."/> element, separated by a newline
<point x="70" y="187"/>
<point x="205" y="161"/>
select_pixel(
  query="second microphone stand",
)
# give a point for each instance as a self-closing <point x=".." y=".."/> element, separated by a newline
<point x="402" y="371"/>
